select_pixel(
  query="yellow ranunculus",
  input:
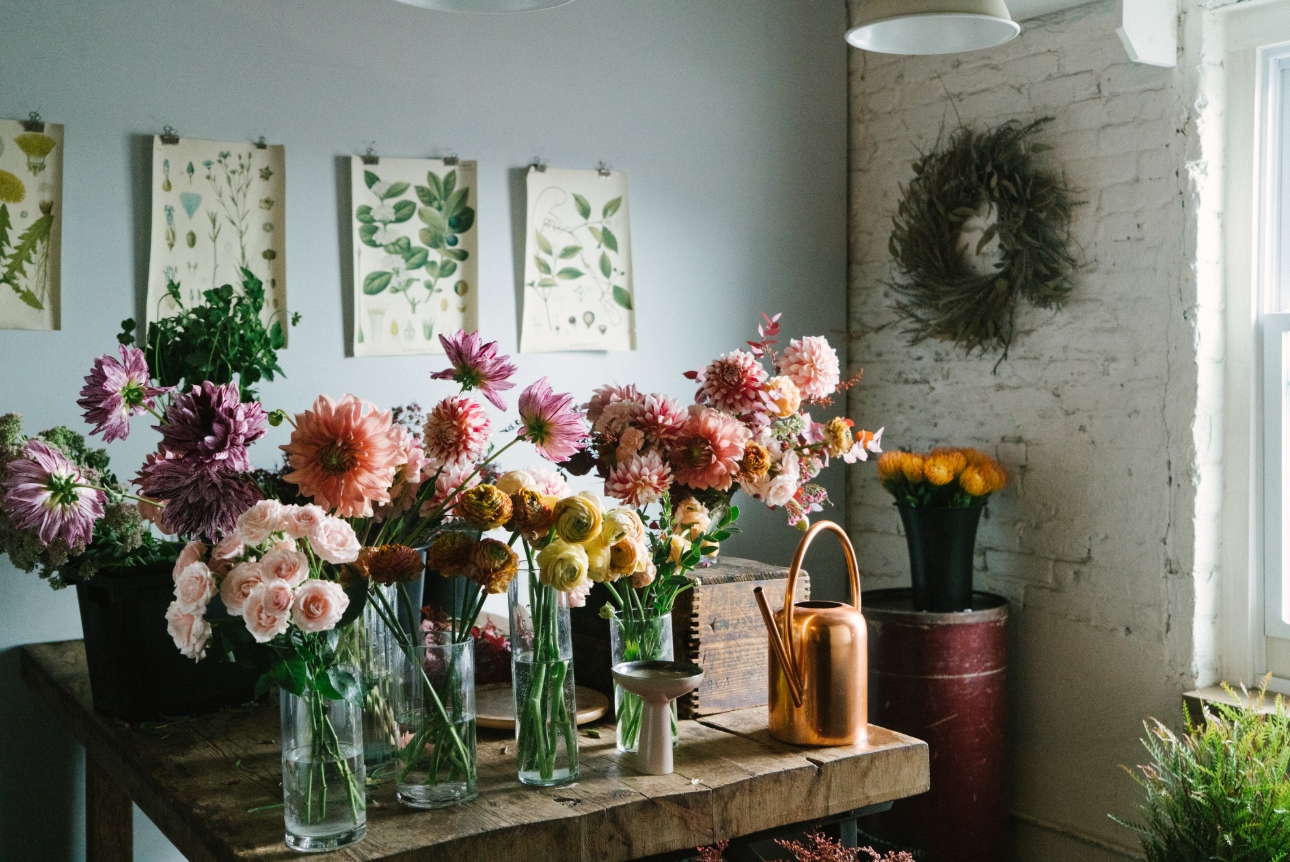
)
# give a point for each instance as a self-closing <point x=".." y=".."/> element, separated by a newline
<point x="562" y="565"/>
<point x="598" y="556"/>
<point x="577" y="520"/>
<point x="627" y="556"/>
<point x="619" y="524"/>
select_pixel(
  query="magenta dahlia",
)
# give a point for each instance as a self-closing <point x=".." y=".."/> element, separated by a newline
<point x="115" y="391"/>
<point x="733" y="383"/>
<point x="46" y="492"/>
<point x="203" y="498"/>
<point x="477" y="366"/>
<point x="550" y="421"/>
<point x="210" y="423"/>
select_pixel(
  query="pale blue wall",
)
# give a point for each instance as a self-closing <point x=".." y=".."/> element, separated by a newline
<point x="728" y="115"/>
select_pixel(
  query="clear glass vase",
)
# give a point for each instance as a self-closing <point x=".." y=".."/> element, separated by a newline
<point x="638" y="639"/>
<point x="323" y="779"/>
<point x="369" y="645"/>
<point x="546" y="731"/>
<point x="435" y="711"/>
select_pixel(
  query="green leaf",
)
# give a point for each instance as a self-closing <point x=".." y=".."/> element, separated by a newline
<point x="606" y="268"/>
<point x="404" y="210"/>
<point x="435" y="224"/>
<point x="612" y="207"/>
<point x="449" y="183"/>
<point x="430" y="238"/>
<point x="262" y="685"/>
<point x="29" y="298"/>
<point x="542" y="265"/>
<point x="456" y="253"/>
<point x="364" y="214"/>
<point x="24" y="253"/>
<point x="569" y="251"/>
<point x="5" y="225"/>
<point x="370" y="178"/>
<point x="432" y="269"/>
<point x="543" y="242"/>
<point x="611" y="241"/>
<point x="447" y="268"/>
<point x="455" y="202"/>
<point x="435" y="186"/>
<point x="395" y="190"/>
<point x="400" y="246"/>
<point x="343" y="682"/>
<point x="584" y="208"/>
<point x="376" y="282"/>
<point x="277" y="339"/>
<point x="357" y="592"/>
<point x="427" y="196"/>
<point x="415" y="258"/>
<point x="569" y="273"/>
<point x="596" y="232"/>
<point x="366" y="234"/>
<point x="622" y="297"/>
<point x="291" y="675"/>
<point x="546" y="282"/>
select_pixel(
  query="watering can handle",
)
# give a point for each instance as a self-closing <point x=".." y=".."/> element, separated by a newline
<point x="791" y="587"/>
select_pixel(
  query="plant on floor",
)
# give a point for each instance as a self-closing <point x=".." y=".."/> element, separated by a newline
<point x="818" y="848"/>
<point x="1220" y="790"/>
<point x="944" y="478"/>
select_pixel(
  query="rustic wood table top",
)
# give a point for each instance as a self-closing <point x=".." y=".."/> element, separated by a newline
<point x="200" y="781"/>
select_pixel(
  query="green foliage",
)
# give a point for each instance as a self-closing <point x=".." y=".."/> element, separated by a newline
<point x="1220" y="790"/>
<point x="30" y="243"/>
<point x="214" y="341"/>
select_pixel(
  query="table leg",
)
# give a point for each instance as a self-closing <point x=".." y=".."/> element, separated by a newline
<point x="109" y="817"/>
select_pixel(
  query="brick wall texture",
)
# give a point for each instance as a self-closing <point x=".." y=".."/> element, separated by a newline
<point x="1091" y="412"/>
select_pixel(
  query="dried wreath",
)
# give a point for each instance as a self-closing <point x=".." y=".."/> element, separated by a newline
<point x="980" y="226"/>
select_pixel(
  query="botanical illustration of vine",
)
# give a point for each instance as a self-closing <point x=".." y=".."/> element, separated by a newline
<point x="581" y="256"/>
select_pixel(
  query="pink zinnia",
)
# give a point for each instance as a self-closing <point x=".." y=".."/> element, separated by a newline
<point x="210" y="423"/>
<point x="639" y="481"/>
<point x="116" y="391"/>
<point x="477" y="366"/>
<point x="708" y="453"/>
<point x="733" y="383"/>
<point x="550" y="422"/>
<point x="662" y="418"/>
<point x="46" y="492"/>
<point x="606" y="395"/>
<point x="344" y="455"/>
<point x="456" y="431"/>
<point x="811" y="364"/>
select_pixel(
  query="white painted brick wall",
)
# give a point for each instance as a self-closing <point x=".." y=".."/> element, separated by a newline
<point x="1091" y="413"/>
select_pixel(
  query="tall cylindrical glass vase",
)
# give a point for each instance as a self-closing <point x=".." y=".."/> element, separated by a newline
<point x="323" y="779"/>
<point x="546" y="732"/>
<point x="435" y="713"/>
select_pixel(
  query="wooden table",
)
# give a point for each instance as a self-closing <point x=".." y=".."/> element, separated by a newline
<point x="198" y="781"/>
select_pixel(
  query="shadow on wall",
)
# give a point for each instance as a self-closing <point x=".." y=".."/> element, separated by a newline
<point x="41" y="775"/>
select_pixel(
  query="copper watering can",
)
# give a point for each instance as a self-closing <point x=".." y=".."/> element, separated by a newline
<point x="819" y="660"/>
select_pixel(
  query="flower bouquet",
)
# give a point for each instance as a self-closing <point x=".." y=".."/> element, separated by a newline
<point x="940" y="497"/>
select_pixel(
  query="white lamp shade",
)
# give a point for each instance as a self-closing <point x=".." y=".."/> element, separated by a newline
<point x="486" y="5"/>
<point x="931" y="26"/>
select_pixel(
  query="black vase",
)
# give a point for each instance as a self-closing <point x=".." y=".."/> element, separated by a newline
<point x="941" y="547"/>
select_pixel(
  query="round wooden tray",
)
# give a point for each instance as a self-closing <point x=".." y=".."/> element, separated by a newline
<point x="495" y="705"/>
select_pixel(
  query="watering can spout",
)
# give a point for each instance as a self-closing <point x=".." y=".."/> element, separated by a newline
<point x="777" y="644"/>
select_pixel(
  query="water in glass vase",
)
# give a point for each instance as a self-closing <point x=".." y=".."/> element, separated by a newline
<point x="545" y="728"/>
<point x="322" y="811"/>
<point x="432" y="772"/>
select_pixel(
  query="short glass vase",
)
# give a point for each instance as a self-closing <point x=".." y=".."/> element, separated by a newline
<point x="546" y="732"/>
<point x="647" y="638"/>
<point x="435" y="714"/>
<point x="323" y="779"/>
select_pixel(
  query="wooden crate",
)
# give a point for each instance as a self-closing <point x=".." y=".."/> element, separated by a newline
<point x="715" y="624"/>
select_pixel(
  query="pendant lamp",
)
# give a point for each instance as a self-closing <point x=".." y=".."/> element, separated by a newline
<point x="931" y="26"/>
<point x="486" y="5"/>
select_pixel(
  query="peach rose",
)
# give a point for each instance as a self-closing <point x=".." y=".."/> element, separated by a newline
<point x="644" y="577"/>
<point x="237" y="585"/>
<point x="190" y="631"/>
<point x="256" y="524"/>
<point x="194" y="588"/>
<point x="192" y="552"/>
<point x="781" y="490"/>
<point x="319" y="606"/>
<point x="225" y="552"/>
<point x="286" y="563"/>
<point x="300" y="521"/>
<point x="268" y="610"/>
<point x="513" y="482"/>
<point x="334" y="541"/>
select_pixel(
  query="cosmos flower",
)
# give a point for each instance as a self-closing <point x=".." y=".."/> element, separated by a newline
<point x="477" y="366"/>
<point x="812" y="365"/>
<point x="210" y="423"/>
<point x="550" y="422"/>
<point x="710" y="449"/>
<point x="344" y="455"/>
<point x="115" y="391"/>
<point x="733" y="383"/>
<point x="456" y="432"/>
<point x="640" y="481"/>
<point x="46" y="492"/>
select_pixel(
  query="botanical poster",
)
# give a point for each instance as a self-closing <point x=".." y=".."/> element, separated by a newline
<point x="577" y="263"/>
<point x="415" y="254"/>
<point x="31" y="225"/>
<point x="217" y="208"/>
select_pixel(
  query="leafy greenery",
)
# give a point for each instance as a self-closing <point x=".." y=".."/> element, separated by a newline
<point x="215" y="341"/>
<point x="33" y="242"/>
<point x="941" y="295"/>
<point x="1219" y="790"/>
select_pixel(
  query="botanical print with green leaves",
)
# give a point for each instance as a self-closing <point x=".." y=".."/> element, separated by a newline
<point x="578" y="291"/>
<point x="415" y="266"/>
<point x="31" y="193"/>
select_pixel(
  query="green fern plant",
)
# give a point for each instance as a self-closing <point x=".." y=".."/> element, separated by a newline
<point x="1219" y="791"/>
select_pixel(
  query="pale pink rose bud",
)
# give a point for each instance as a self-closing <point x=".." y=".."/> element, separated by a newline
<point x="286" y="563"/>
<point x="264" y="615"/>
<point x="237" y="585"/>
<point x="319" y="606"/>
<point x="192" y="553"/>
<point x="222" y="556"/>
<point x="781" y="490"/>
<point x="334" y="541"/>
<point x="194" y="588"/>
<point x="577" y="596"/>
<point x="300" y="521"/>
<point x="514" y="482"/>
<point x="256" y="524"/>
<point x="190" y="631"/>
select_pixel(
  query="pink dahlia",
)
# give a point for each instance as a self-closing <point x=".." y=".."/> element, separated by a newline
<point x="549" y="482"/>
<point x="550" y="421"/>
<point x="708" y="453"/>
<point x="116" y="391"/>
<point x="811" y="364"/>
<point x="46" y="492"/>
<point x="616" y="417"/>
<point x="733" y="383"/>
<point x="456" y="431"/>
<point x="477" y="366"/>
<point x="662" y="418"/>
<point x="202" y="498"/>
<point x="210" y="423"/>
<point x="606" y="395"/>
<point x="344" y="455"/>
<point x="407" y="479"/>
<point x="639" y="481"/>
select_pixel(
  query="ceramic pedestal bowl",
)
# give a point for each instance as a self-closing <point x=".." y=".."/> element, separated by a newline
<point x="657" y="683"/>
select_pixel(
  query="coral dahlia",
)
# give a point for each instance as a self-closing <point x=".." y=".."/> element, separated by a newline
<point x="710" y="448"/>
<point x="477" y="366"/>
<point x="640" y="480"/>
<point x="46" y="492"/>
<point x="115" y="391"/>
<point x="811" y="364"/>
<point x="344" y="455"/>
<point x="550" y="421"/>
<point x="456" y="432"/>
<point x="733" y="383"/>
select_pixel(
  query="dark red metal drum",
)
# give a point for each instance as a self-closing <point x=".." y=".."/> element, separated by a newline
<point x="941" y="677"/>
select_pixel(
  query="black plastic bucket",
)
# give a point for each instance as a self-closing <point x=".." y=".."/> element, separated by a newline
<point x="942" y="543"/>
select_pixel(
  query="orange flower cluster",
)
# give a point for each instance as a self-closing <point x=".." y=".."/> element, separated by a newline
<point x="944" y="477"/>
